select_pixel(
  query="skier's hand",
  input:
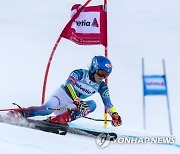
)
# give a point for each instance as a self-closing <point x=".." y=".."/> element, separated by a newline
<point x="116" y="119"/>
<point x="82" y="107"/>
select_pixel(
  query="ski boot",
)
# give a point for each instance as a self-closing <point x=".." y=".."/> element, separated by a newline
<point x="16" y="114"/>
<point x="63" y="118"/>
<point x="13" y="114"/>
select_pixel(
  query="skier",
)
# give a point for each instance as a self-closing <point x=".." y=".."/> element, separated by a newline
<point x="81" y="84"/>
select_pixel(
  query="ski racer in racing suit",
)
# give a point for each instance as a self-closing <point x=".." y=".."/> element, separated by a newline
<point x="81" y="84"/>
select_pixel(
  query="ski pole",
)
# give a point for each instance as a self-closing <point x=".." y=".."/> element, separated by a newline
<point x="60" y="109"/>
<point x="39" y="108"/>
<point x="97" y="119"/>
<point x="64" y="109"/>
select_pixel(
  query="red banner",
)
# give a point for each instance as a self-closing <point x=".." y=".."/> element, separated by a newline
<point x="89" y="27"/>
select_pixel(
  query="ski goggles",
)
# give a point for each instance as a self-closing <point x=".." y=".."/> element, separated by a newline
<point x="102" y="74"/>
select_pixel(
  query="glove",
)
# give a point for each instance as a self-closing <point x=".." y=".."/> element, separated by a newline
<point x="82" y="107"/>
<point x="116" y="119"/>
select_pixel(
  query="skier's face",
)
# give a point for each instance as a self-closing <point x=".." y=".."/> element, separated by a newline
<point x="100" y="75"/>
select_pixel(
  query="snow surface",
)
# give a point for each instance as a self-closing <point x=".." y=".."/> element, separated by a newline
<point x="136" y="29"/>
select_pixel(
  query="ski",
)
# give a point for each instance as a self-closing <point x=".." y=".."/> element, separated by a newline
<point x="47" y="126"/>
<point x="36" y="124"/>
<point x="59" y="129"/>
<point x="63" y="129"/>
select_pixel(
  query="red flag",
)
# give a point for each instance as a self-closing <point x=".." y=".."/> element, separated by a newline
<point x="87" y="27"/>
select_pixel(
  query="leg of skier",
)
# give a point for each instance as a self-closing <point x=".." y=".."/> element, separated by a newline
<point x="69" y="116"/>
<point x="59" y="99"/>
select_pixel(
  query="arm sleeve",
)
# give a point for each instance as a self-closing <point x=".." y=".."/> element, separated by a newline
<point x="71" y="81"/>
<point x="104" y="93"/>
<point x="70" y="91"/>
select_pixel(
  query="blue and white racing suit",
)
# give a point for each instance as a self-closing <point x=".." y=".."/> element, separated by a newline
<point x="83" y="87"/>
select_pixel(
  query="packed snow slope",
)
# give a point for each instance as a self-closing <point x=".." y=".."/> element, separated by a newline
<point x="136" y="29"/>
